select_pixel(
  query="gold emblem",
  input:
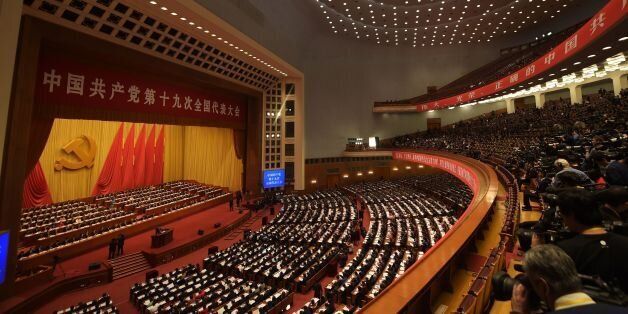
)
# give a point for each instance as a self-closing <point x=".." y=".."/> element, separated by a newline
<point x="83" y="149"/>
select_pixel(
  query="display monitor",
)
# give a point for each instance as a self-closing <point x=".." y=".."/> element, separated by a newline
<point x="4" y="254"/>
<point x="274" y="178"/>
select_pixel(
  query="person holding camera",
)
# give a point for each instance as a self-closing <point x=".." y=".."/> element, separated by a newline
<point x="615" y="203"/>
<point x="552" y="276"/>
<point x="595" y="251"/>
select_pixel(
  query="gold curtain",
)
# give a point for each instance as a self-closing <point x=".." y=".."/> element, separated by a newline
<point x="210" y="157"/>
<point x="198" y="153"/>
<point x="173" y="152"/>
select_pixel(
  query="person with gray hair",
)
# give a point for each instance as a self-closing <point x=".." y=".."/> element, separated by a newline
<point x="568" y="176"/>
<point x="554" y="278"/>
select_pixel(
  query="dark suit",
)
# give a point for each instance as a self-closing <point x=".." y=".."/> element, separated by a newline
<point x="597" y="308"/>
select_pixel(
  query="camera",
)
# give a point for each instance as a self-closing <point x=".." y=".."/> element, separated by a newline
<point x="503" y="285"/>
<point x="595" y="287"/>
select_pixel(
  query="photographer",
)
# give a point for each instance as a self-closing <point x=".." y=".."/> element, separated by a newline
<point x="615" y="203"/>
<point x="595" y="251"/>
<point x="553" y="278"/>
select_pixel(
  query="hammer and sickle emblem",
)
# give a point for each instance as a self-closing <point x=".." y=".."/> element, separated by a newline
<point x="84" y="156"/>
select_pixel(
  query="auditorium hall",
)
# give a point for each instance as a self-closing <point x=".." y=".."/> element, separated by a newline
<point x="313" y="156"/>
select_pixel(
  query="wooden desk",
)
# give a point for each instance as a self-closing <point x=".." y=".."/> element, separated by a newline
<point x="162" y="238"/>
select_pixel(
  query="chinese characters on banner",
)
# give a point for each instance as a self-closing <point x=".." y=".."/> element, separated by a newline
<point x="605" y="19"/>
<point x="451" y="166"/>
<point x="63" y="81"/>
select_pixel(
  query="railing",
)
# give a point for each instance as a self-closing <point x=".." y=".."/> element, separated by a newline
<point x="477" y="299"/>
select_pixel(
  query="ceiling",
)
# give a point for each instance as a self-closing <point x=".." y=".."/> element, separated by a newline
<point x="421" y="23"/>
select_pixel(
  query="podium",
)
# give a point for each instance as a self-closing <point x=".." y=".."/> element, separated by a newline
<point x="161" y="237"/>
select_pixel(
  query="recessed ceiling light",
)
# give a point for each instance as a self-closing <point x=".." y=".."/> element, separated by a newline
<point x="623" y="38"/>
<point x="576" y="63"/>
<point x="607" y="47"/>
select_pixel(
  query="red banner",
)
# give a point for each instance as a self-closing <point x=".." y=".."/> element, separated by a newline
<point x="456" y="168"/>
<point x="64" y="81"/>
<point x="613" y="13"/>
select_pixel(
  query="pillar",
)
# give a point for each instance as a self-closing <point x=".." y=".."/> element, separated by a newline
<point x="618" y="82"/>
<point x="299" y="135"/>
<point x="539" y="100"/>
<point x="575" y="94"/>
<point x="510" y="105"/>
<point x="10" y="16"/>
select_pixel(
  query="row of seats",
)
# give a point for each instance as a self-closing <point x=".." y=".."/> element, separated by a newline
<point x="337" y="233"/>
<point x="58" y="220"/>
<point x="102" y="305"/>
<point x="451" y="191"/>
<point x="416" y="233"/>
<point x="331" y="209"/>
<point x="278" y="264"/>
<point x="369" y="273"/>
<point x="291" y="198"/>
<point x="190" y="289"/>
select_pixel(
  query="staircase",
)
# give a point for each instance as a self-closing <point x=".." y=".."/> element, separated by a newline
<point x="246" y="225"/>
<point x="129" y="264"/>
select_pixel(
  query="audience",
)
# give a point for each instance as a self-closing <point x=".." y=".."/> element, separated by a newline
<point x="191" y="290"/>
<point x="408" y="216"/>
<point x="101" y="305"/>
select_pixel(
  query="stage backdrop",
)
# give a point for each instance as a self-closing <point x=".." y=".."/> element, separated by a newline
<point x="190" y="152"/>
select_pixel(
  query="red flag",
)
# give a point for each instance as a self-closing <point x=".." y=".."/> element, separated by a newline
<point x="36" y="192"/>
<point x="158" y="174"/>
<point x="127" y="161"/>
<point x="149" y="158"/>
<point x="110" y="177"/>
<point x="140" y="154"/>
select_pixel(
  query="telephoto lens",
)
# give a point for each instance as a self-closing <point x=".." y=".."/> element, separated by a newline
<point x="503" y="285"/>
